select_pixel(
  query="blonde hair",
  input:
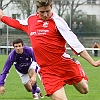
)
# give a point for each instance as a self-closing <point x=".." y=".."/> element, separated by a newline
<point x="40" y="3"/>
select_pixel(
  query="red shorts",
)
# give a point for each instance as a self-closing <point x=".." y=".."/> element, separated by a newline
<point x="66" y="71"/>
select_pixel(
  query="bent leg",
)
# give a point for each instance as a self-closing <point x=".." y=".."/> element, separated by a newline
<point x="82" y="86"/>
<point x="59" y="95"/>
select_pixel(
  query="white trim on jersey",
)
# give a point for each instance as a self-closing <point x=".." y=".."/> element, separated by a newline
<point x="23" y="22"/>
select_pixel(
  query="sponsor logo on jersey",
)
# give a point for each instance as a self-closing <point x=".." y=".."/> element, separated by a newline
<point x="40" y="32"/>
<point x="45" y="24"/>
<point x="43" y="32"/>
<point x="27" y="59"/>
<point x="32" y="33"/>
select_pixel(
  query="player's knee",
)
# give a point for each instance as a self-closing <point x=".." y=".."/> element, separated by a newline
<point x="84" y="91"/>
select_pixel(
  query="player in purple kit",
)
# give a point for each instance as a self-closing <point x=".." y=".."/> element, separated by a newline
<point x="25" y="64"/>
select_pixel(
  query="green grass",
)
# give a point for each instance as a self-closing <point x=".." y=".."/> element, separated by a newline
<point x="16" y="91"/>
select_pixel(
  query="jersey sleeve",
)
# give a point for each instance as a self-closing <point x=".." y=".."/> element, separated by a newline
<point x="17" y="24"/>
<point x="6" y="69"/>
<point x="32" y="54"/>
<point x="68" y="35"/>
<point x="34" y="63"/>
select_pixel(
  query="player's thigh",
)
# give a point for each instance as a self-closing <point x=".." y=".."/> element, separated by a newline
<point x="82" y="86"/>
<point x="59" y="95"/>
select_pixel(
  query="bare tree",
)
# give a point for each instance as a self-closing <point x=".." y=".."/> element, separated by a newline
<point x="61" y="6"/>
<point x="74" y="4"/>
<point x="26" y="7"/>
<point x="5" y="5"/>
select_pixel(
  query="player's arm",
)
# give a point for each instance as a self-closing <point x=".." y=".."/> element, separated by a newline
<point x="33" y="77"/>
<point x="34" y="63"/>
<point x="72" y="40"/>
<point x="13" y="22"/>
<point x="32" y="73"/>
<point x="36" y="70"/>
<point x="4" y="74"/>
<point x="32" y="54"/>
<point x="87" y="57"/>
<point x="2" y="90"/>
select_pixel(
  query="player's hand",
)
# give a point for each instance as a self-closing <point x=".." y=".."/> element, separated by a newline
<point x="96" y="63"/>
<point x="2" y="90"/>
<point x="1" y="13"/>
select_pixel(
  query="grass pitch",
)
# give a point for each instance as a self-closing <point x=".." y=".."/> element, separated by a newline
<point x="16" y="91"/>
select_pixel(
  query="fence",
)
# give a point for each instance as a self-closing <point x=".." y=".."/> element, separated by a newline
<point x="7" y="50"/>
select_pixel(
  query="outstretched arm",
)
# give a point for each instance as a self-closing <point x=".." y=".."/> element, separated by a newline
<point x="13" y="22"/>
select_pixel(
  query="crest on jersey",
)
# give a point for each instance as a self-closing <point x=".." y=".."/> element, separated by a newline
<point x="26" y="58"/>
<point x="45" y="24"/>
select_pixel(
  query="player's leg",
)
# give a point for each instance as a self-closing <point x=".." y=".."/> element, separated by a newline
<point x="82" y="86"/>
<point x="37" y="90"/>
<point x="28" y="86"/>
<point x="26" y="81"/>
<point x="32" y="89"/>
<point x="59" y="95"/>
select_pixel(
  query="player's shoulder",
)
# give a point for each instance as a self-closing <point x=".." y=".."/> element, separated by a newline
<point x="13" y="52"/>
<point x="12" y="55"/>
<point x="27" y="48"/>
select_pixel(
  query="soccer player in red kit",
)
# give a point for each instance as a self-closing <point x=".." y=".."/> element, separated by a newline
<point x="49" y="34"/>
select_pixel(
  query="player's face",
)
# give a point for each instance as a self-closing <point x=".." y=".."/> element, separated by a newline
<point x="18" y="48"/>
<point x="45" y="12"/>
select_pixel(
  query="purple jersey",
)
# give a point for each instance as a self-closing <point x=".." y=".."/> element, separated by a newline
<point x="21" y="62"/>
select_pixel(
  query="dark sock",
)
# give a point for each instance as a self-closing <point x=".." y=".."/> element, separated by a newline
<point x="34" y="87"/>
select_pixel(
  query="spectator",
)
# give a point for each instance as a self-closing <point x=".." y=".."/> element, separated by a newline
<point x="80" y="29"/>
<point x="75" y="27"/>
<point x="96" y="51"/>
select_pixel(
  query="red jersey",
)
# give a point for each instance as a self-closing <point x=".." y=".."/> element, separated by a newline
<point x="47" y="42"/>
